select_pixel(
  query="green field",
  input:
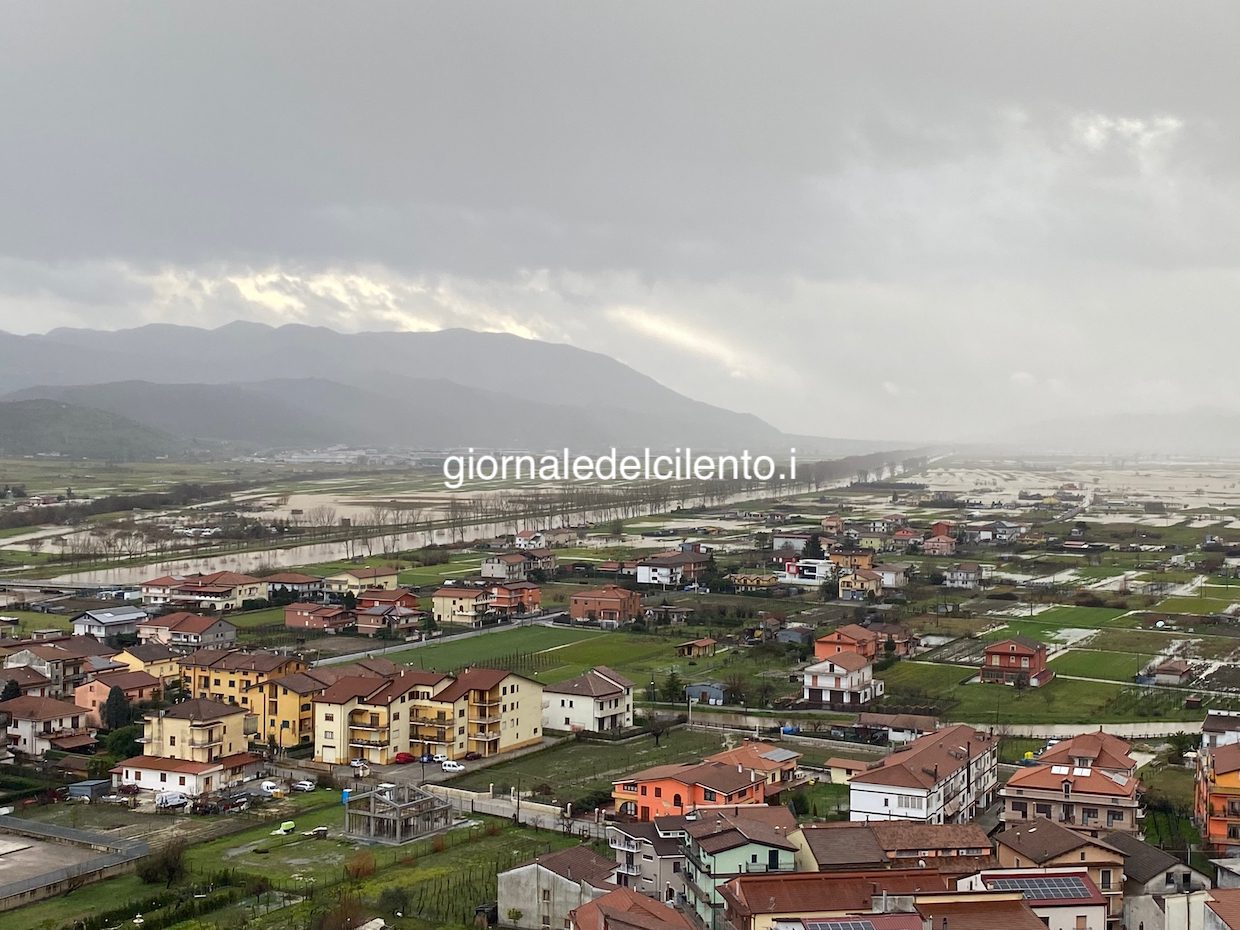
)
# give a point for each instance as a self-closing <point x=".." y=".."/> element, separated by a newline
<point x="1194" y="604"/>
<point x="578" y="768"/>
<point x="1062" y="701"/>
<point x="1113" y="666"/>
<point x="33" y="620"/>
<point x="456" y="653"/>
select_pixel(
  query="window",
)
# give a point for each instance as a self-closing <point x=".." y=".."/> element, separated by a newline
<point x="1169" y="881"/>
<point x="546" y="894"/>
<point x="1105" y="879"/>
<point x="172" y="740"/>
<point x="1081" y="922"/>
<point x="709" y="795"/>
<point x="658" y="792"/>
<point x="328" y="734"/>
<point x="329" y="717"/>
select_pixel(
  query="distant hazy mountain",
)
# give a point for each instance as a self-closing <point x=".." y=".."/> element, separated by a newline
<point x="30" y="427"/>
<point x="301" y="386"/>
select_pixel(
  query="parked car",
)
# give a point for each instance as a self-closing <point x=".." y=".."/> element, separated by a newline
<point x="439" y="757"/>
<point x="357" y="763"/>
<point x="404" y="758"/>
<point x="472" y="756"/>
<point x="426" y="758"/>
<point x="269" y="788"/>
<point x="304" y="785"/>
<point x="448" y="765"/>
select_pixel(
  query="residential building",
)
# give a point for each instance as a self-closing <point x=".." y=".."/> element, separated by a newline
<point x="860" y="584"/>
<point x="1097" y="750"/>
<point x="1051" y="846"/>
<point x="155" y="659"/>
<point x="488" y="711"/>
<point x="832" y="525"/>
<point x="650" y="857"/>
<point x="1217" y="801"/>
<point x="229" y="675"/>
<point x="1061" y="899"/>
<point x="672" y="568"/>
<point x="948" y="848"/>
<point x="753" y="584"/>
<point x="848" y="638"/>
<point x="1087" y="799"/>
<point x="697" y="649"/>
<point x="284" y="706"/>
<point x="217" y="591"/>
<point x="966" y="575"/>
<point x="608" y="604"/>
<point x="894" y="575"/>
<point x="293" y="586"/>
<point x="896" y="729"/>
<point x="65" y="662"/>
<point x="387" y="597"/>
<point x="39" y="724"/>
<point x="108" y="622"/>
<point x="1174" y="672"/>
<point x="724" y="843"/>
<point x="138" y="688"/>
<point x="194" y="747"/>
<point x="1221" y="727"/>
<point x="944" y="777"/>
<point x="507" y="566"/>
<point x="1018" y="660"/>
<point x="1160" y="891"/>
<point x="624" y="909"/>
<point x="30" y="681"/>
<point x="1222" y="910"/>
<point x="778" y="767"/>
<point x="939" y="545"/>
<point x="679" y="788"/>
<point x="946" y="528"/>
<point x="852" y="559"/>
<point x="357" y="580"/>
<point x="187" y="631"/>
<point x="461" y="604"/>
<point x="599" y="701"/>
<point x="907" y="536"/>
<point x="806" y="573"/>
<point x="327" y="618"/>
<point x="894" y="639"/>
<point x="514" y="599"/>
<point x="844" y="681"/>
<point x="542" y="893"/>
<point x="389" y="620"/>
<point x="841" y="770"/>
<point x="530" y="539"/>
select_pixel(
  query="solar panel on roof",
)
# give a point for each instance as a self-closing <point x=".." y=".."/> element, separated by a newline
<point x="1043" y="887"/>
<point x="847" y="924"/>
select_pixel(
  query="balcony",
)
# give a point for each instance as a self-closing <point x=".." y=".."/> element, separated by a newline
<point x="483" y="721"/>
<point x="367" y="723"/>
<point x="623" y="843"/>
<point x="629" y="868"/>
<point x="202" y="742"/>
<point x="484" y="737"/>
<point x="436" y="721"/>
<point x="368" y="743"/>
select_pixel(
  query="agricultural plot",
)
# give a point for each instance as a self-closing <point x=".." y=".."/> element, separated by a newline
<point x="1195" y="604"/>
<point x="457" y="653"/>
<point x="1080" y="616"/>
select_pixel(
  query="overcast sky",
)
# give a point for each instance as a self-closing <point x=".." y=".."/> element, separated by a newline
<point x="865" y="219"/>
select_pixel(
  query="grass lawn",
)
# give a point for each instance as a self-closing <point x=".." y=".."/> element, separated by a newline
<point x="32" y="620"/>
<point x="1098" y="572"/>
<point x="1173" y="784"/>
<point x="1113" y="666"/>
<point x="1062" y="701"/>
<point x="1012" y="749"/>
<point x="458" y="652"/>
<point x="1195" y="604"/>
<point x="827" y="801"/>
<point x="577" y="768"/>
<point x="250" y="619"/>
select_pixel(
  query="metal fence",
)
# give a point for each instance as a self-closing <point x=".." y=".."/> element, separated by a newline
<point x="121" y="851"/>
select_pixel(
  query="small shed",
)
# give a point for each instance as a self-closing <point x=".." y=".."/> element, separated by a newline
<point x="706" y="692"/>
<point x="93" y="789"/>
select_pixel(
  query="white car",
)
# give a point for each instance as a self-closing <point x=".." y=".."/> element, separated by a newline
<point x="304" y="785"/>
<point x="439" y="757"/>
<point x="449" y="765"/>
<point x="357" y="763"/>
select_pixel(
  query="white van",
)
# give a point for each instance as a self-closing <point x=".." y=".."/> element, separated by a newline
<point x="167" y="800"/>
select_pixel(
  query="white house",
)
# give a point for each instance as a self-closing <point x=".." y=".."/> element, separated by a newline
<point x="37" y="724"/>
<point x="810" y="573"/>
<point x="540" y="894"/>
<point x="1064" y="899"/>
<point x="599" y="701"/>
<point x="110" y="621"/>
<point x="947" y="776"/>
<point x="157" y="773"/>
<point x="893" y="574"/>
<point x="845" y="678"/>
<point x="187" y="630"/>
<point x="530" y="539"/>
<point x="963" y="575"/>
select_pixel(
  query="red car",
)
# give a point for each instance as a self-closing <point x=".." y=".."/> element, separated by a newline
<point x="404" y="758"/>
<point x="472" y="756"/>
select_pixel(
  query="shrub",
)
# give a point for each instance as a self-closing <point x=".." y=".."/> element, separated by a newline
<point x="360" y="865"/>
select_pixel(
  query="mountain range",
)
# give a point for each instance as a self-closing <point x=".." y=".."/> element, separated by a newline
<point x="252" y="386"/>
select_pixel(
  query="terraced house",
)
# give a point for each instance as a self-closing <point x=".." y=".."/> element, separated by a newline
<point x="215" y="592"/>
<point x="232" y="676"/>
<point x="483" y="711"/>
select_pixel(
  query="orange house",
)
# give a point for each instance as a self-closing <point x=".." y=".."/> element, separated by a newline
<point x="848" y="638"/>
<point x="136" y="686"/>
<point x="515" y="598"/>
<point x="852" y="558"/>
<point x="1217" y="801"/>
<point x="610" y="603"/>
<point x="673" y="790"/>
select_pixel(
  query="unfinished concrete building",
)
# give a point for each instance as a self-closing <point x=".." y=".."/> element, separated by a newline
<point x="395" y="814"/>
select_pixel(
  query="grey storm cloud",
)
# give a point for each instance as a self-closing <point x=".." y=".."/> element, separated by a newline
<point x="841" y="217"/>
